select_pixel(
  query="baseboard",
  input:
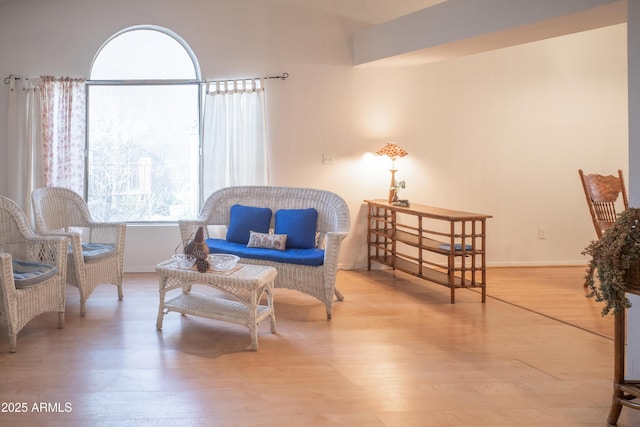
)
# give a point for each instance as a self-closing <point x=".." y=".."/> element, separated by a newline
<point x="352" y="266"/>
<point x="140" y="269"/>
<point x="581" y="263"/>
<point x="496" y="264"/>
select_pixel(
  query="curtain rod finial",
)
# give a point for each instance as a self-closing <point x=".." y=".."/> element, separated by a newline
<point x="7" y="80"/>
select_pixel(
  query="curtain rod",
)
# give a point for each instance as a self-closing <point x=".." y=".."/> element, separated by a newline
<point x="7" y="80"/>
<point x="282" y="76"/>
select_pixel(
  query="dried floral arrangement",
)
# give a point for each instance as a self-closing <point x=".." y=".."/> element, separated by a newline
<point x="615" y="261"/>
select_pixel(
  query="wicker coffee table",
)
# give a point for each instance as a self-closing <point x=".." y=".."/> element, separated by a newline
<point x="243" y="288"/>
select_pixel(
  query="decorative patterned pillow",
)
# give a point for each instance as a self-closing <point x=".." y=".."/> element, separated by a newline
<point x="268" y="241"/>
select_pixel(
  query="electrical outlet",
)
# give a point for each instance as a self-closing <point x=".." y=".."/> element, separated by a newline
<point x="328" y="158"/>
<point x="543" y="233"/>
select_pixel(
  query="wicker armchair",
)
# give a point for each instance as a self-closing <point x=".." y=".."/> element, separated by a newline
<point x="32" y="271"/>
<point x="97" y="252"/>
<point x="332" y="227"/>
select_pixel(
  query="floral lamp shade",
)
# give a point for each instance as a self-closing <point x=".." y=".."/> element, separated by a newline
<point x="392" y="150"/>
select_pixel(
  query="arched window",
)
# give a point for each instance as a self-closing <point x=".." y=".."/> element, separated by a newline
<point x="143" y="135"/>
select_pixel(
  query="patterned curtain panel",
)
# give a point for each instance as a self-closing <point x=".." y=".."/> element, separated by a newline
<point x="63" y="132"/>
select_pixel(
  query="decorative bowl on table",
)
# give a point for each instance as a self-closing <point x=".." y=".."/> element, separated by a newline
<point x="223" y="262"/>
<point x="184" y="261"/>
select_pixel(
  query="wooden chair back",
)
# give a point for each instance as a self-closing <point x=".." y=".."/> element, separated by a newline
<point x="602" y="193"/>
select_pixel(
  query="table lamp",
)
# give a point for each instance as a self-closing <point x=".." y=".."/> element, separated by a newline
<point x="393" y="151"/>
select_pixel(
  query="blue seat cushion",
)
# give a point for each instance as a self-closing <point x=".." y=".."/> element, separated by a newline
<point x="27" y="273"/>
<point x="93" y="252"/>
<point x="312" y="257"/>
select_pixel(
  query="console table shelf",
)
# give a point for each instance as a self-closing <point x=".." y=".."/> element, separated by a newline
<point x="443" y="246"/>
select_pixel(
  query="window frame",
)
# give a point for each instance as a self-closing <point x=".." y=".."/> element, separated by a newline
<point x="151" y="82"/>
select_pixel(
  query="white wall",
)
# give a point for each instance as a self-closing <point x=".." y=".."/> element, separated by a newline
<point x="501" y="133"/>
<point x="505" y="132"/>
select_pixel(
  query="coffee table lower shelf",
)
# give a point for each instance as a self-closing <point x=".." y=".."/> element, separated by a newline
<point x="217" y="309"/>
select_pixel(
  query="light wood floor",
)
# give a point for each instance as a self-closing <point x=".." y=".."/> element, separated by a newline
<point x="395" y="354"/>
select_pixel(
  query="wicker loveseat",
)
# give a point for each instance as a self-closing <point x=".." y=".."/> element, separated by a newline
<point x="318" y="281"/>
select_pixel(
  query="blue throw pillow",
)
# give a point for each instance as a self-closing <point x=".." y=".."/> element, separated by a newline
<point x="243" y="219"/>
<point x="299" y="225"/>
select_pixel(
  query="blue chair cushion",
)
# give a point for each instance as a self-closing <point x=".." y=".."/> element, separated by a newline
<point x="243" y="219"/>
<point x="312" y="257"/>
<point x="299" y="225"/>
<point x="27" y="273"/>
<point x="92" y="252"/>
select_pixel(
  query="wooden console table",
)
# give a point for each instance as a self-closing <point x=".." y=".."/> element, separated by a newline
<point x="443" y="246"/>
<point x="625" y="391"/>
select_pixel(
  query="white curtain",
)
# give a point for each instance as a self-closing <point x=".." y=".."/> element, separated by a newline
<point x="24" y="141"/>
<point x="234" y="135"/>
